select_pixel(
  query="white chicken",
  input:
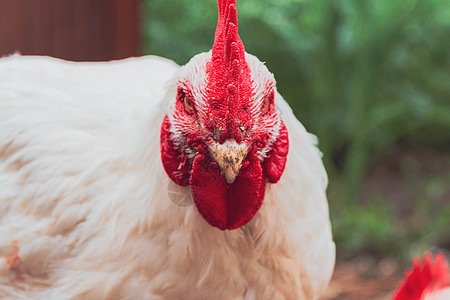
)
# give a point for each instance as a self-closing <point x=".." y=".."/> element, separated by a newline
<point x="429" y="280"/>
<point x="140" y="179"/>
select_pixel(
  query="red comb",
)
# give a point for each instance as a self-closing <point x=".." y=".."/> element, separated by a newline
<point x="228" y="49"/>
<point x="229" y="81"/>
<point x="427" y="277"/>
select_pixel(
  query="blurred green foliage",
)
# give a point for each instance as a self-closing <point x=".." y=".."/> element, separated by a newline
<point x="360" y="74"/>
<point x="376" y="227"/>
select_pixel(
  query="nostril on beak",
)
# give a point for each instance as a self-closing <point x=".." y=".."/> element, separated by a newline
<point x="229" y="156"/>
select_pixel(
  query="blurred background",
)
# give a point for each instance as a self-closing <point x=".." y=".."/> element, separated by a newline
<point x="371" y="78"/>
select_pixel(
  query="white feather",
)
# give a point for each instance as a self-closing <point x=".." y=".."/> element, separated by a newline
<point x="443" y="294"/>
<point x="85" y="199"/>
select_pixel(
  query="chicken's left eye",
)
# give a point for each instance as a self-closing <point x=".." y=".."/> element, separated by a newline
<point x="266" y="104"/>
<point x="188" y="104"/>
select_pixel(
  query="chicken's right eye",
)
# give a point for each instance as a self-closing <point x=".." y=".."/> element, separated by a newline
<point x="188" y="104"/>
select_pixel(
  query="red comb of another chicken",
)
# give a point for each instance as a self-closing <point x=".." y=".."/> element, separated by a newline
<point x="424" y="278"/>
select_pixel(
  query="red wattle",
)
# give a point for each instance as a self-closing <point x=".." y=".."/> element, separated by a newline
<point x="175" y="164"/>
<point x="223" y="205"/>
<point x="275" y="162"/>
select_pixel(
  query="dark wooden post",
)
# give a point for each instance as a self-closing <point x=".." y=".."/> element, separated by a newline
<point x="81" y="30"/>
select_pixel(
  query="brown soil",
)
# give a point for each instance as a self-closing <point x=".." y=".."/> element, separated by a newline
<point x="363" y="279"/>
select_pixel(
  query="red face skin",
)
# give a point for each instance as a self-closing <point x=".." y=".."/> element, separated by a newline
<point x="223" y="205"/>
<point x="228" y="110"/>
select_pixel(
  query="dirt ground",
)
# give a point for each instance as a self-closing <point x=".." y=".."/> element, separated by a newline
<point x="362" y="279"/>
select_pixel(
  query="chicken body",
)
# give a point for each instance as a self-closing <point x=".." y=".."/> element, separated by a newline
<point x="443" y="294"/>
<point x="87" y="211"/>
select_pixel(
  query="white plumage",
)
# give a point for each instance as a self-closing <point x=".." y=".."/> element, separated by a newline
<point x="443" y="294"/>
<point x="87" y="211"/>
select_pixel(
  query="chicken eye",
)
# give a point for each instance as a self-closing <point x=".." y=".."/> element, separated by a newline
<point x="266" y="104"/>
<point x="188" y="104"/>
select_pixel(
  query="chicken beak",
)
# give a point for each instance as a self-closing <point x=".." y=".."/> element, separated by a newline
<point x="229" y="156"/>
